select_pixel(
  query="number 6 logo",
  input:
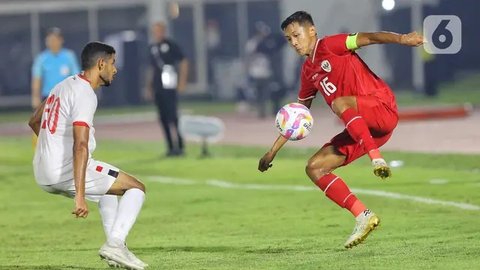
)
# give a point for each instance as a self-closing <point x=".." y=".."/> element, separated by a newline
<point x="443" y="34"/>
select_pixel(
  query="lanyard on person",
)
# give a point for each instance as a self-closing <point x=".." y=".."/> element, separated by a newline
<point x="156" y="55"/>
<point x="169" y="75"/>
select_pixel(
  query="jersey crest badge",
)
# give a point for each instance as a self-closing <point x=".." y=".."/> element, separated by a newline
<point x="326" y="66"/>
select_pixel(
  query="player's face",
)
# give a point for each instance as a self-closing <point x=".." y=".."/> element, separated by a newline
<point x="300" y="37"/>
<point x="108" y="70"/>
<point x="54" y="42"/>
<point x="159" y="32"/>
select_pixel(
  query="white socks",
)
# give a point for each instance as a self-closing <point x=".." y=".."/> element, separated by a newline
<point x="128" y="210"/>
<point x="108" y="207"/>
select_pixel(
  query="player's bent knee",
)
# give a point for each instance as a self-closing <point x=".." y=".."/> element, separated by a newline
<point x="135" y="183"/>
<point x="125" y="182"/>
<point x="316" y="169"/>
<point x="340" y="104"/>
<point x="140" y="186"/>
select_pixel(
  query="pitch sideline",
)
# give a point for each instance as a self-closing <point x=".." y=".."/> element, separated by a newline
<point x="371" y="192"/>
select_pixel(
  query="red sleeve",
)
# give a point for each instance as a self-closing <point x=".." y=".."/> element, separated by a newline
<point x="337" y="44"/>
<point x="81" y="123"/>
<point x="307" y="89"/>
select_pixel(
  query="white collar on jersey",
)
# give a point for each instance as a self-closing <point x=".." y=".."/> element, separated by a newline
<point x="315" y="50"/>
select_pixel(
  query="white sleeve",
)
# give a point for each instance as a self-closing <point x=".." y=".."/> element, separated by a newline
<point x="83" y="108"/>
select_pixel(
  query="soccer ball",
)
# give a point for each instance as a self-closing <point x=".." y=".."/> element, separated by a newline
<point x="294" y="121"/>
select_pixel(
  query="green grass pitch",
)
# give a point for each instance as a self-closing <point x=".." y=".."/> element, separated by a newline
<point x="199" y="226"/>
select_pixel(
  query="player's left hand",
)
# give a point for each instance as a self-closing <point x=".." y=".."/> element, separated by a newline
<point x="411" y="39"/>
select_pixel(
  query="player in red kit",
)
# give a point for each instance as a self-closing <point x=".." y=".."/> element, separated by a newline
<point x="362" y="100"/>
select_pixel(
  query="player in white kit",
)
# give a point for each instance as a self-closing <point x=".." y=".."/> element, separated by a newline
<point x="63" y="161"/>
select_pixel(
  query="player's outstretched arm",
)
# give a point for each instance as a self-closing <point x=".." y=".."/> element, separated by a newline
<point x="307" y="103"/>
<point x="266" y="161"/>
<point x="80" y="157"/>
<point x="36" y="118"/>
<point x="410" y="39"/>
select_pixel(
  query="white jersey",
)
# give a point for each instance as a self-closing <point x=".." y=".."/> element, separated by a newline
<point x="71" y="102"/>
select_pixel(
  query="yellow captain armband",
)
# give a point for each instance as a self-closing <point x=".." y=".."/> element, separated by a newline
<point x="351" y="41"/>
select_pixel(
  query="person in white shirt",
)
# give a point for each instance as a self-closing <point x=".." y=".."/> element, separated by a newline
<point x="63" y="162"/>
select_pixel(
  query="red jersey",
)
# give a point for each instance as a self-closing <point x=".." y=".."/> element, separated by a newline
<point x="336" y="71"/>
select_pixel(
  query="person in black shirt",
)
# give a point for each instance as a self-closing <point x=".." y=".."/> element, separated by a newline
<point x="167" y="76"/>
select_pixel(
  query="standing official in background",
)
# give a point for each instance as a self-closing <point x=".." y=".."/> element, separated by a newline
<point x="51" y="66"/>
<point x="166" y="75"/>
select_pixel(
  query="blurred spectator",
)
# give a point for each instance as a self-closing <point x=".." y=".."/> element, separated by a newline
<point x="271" y="46"/>
<point x="259" y="69"/>
<point x="213" y="40"/>
<point x="51" y="66"/>
<point x="166" y="75"/>
<point x="264" y="68"/>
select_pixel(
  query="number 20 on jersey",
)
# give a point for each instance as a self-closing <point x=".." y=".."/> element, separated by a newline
<point x="51" y="111"/>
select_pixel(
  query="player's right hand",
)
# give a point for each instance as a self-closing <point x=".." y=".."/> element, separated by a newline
<point x="266" y="161"/>
<point x="412" y="39"/>
<point x="81" y="208"/>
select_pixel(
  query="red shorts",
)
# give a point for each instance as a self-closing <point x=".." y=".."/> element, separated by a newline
<point x="381" y="120"/>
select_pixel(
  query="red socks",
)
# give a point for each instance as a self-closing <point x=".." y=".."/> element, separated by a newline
<point x="333" y="186"/>
<point x="336" y="190"/>
<point x="358" y="130"/>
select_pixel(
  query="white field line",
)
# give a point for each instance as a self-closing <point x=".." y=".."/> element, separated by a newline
<point x="378" y="193"/>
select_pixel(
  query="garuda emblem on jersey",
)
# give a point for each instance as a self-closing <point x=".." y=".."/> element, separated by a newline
<point x="326" y="66"/>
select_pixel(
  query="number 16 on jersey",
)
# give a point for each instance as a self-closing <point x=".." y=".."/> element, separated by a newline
<point x="328" y="87"/>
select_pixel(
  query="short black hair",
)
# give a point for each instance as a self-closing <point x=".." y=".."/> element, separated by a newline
<point x="54" y="31"/>
<point x="300" y="17"/>
<point x="94" y="50"/>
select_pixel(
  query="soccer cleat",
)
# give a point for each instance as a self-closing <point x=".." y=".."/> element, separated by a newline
<point x="118" y="256"/>
<point x="366" y="222"/>
<point x="380" y="168"/>
<point x="135" y="258"/>
<point x="113" y="264"/>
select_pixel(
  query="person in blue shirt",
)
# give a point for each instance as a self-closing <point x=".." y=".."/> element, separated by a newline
<point x="51" y="66"/>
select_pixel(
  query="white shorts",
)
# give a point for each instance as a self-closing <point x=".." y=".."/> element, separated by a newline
<point x="99" y="178"/>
